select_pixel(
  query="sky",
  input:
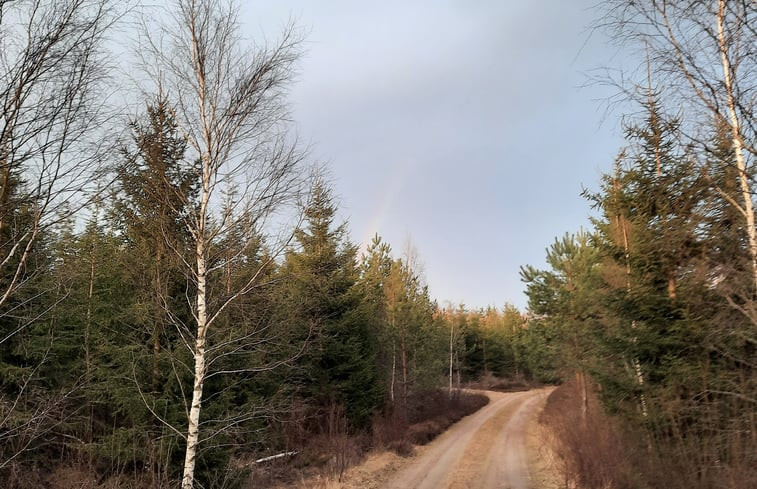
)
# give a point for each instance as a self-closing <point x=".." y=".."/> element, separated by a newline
<point x="465" y="127"/>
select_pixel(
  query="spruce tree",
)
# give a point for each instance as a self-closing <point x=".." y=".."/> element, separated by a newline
<point x="375" y="267"/>
<point x="154" y="194"/>
<point x="338" y="365"/>
<point x="651" y="231"/>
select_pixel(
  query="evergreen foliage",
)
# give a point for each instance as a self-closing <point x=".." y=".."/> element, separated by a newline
<point x="338" y="365"/>
<point x="654" y="303"/>
<point x="101" y="336"/>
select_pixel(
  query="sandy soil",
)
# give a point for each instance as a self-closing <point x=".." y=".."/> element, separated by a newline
<point x="493" y="448"/>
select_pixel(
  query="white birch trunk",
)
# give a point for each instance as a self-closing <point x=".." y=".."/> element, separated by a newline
<point x="639" y="374"/>
<point x="738" y="147"/>
<point x="640" y="381"/>
<point x="193" y="428"/>
<point x="226" y="126"/>
<point x="457" y="363"/>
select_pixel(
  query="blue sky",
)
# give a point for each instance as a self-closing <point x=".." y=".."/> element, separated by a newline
<point x="459" y="125"/>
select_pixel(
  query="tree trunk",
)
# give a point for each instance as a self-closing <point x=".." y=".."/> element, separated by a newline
<point x="394" y="374"/>
<point x="627" y="249"/>
<point x="404" y="376"/>
<point x="640" y="381"/>
<point x="158" y="326"/>
<point x="193" y="430"/>
<point x="87" y="333"/>
<point x="457" y="364"/>
<point x="90" y="296"/>
<point x="5" y="190"/>
<point x="581" y="381"/>
<point x="738" y="148"/>
<point x="486" y="368"/>
<point x="451" y="336"/>
<point x="671" y="286"/>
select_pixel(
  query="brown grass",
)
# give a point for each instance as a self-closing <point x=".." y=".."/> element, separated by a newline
<point x="516" y="383"/>
<point x="598" y="453"/>
<point x="326" y="449"/>
<point x="429" y="415"/>
<point x="592" y="452"/>
<point x="330" y="455"/>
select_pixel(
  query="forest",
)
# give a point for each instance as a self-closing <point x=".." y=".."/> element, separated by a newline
<point x="652" y="307"/>
<point x="178" y="297"/>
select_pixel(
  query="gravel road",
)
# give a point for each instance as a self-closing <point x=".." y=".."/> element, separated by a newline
<point x="485" y="450"/>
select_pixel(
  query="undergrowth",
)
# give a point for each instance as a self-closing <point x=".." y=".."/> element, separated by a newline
<point x="329" y="453"/>
<point x="598" y="451"/>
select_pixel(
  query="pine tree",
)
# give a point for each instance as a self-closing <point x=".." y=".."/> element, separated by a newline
<point x="564" y="299"/>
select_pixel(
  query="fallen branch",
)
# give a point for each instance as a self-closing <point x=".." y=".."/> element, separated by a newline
<point x="273" y="457"/>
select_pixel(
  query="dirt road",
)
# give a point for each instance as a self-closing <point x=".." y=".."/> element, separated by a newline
<point x="485" y="450"/>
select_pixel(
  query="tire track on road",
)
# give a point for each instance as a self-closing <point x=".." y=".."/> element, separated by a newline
<point x="484" y="450"/>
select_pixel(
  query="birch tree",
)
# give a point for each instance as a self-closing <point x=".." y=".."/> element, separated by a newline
<point x="53" y="144"/>
<point x="228" y="100"/>
<point x="52" y="81"/>
<point x="704" y="53"/>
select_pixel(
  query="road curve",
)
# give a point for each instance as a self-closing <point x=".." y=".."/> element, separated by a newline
<point x="483" y="451"/>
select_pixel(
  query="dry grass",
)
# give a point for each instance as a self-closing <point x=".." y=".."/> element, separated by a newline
<point x="332" y="461"/>
<point x="592" y="452"/>
<point x="516" y="383"/>
<point x="544" y="463"/>
<point x="375" y="470"/>
<point x="328" y="455"/>
<point x="597" y="453"/>
<point x="429" y="415"/>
